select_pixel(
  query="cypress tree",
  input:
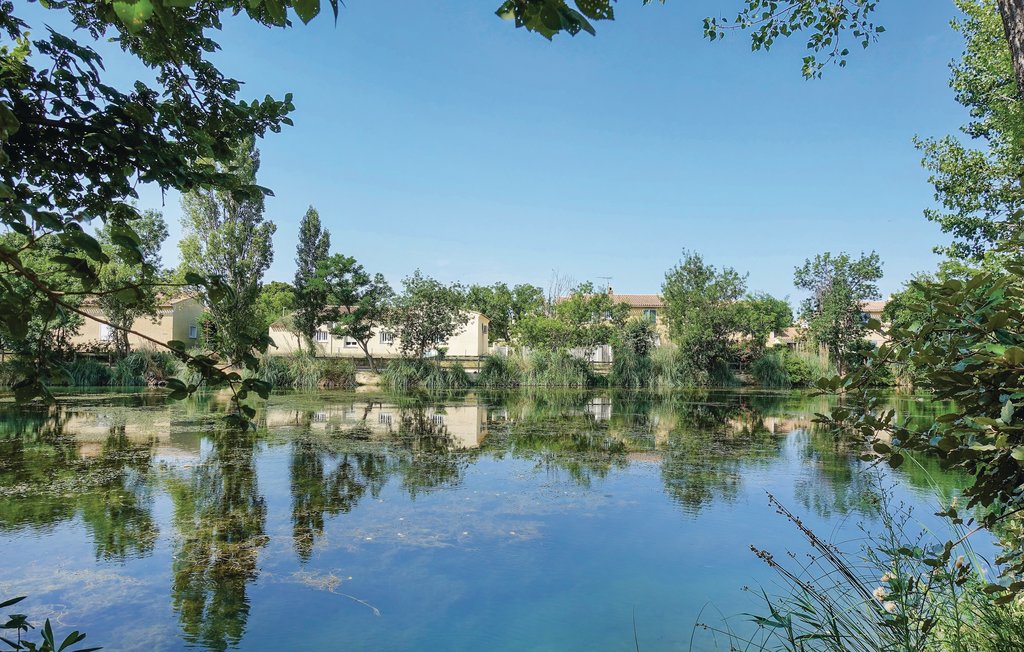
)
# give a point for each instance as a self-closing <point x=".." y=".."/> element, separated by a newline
<point x="314" y="244"/>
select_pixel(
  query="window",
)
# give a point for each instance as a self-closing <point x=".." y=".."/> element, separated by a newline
<point x="322" y="336"/>
<point x="651" y="315"/>
<point x="106" y="333"/>
<point x="320" y="417"/>
<point x="193" y="332"/>
<point x="438" y="419"/>
<point x="483" y="328"/>
<point x="386" y="337"/>
<point x="384" y="418"/>
<point x="350" y="343"/>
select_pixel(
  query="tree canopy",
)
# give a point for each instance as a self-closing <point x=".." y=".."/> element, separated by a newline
<point x="314" y="245"/>
<point x="426" y="314"/>
<point x="702" y="309"/>
<point x="838" y="286"/>
<point x="230" y="240"/>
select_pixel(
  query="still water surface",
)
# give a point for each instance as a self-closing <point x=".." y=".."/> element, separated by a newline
<point x="508" y="521"/>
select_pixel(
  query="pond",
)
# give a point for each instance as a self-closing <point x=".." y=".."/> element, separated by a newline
<point x="358" y="521"/>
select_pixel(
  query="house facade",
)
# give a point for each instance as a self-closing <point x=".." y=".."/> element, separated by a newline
<point x="470" y="342"/>
<point x="177" y="318"/>
<point x="646" y="306"/>
<point x="869" y="310"/>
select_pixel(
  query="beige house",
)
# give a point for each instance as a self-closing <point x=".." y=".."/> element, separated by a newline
<point x="646" y="306"/>
<point x="869" y="310"/>
<point x="470" y="342"/>
<point x="176" y="319"/>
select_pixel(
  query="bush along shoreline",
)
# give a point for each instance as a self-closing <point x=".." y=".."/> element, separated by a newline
<point x="633" y="367"/>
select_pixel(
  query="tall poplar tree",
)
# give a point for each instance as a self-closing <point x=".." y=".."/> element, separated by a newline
<point x="230" y="239"/>
<point x="314" y="245"/>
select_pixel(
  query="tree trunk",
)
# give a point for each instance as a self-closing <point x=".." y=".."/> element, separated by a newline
<point x="369" y="358"/>
<point x="1012" y="13"/>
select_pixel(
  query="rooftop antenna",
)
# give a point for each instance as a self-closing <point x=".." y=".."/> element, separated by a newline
<point x="607" y="281"/>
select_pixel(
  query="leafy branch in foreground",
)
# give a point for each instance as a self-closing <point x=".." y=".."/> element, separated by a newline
<point x="966" y="346"/>
<point x="49" y="643"/>
<point x="73" y="150"/>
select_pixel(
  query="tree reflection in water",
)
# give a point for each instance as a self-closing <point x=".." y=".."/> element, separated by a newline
<point x="59" y="463"/>
<point x="329" y="475"/>
<point x="49" y="476"/>
<point x="220" y="518"/>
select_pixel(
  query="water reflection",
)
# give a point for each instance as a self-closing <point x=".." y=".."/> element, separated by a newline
<point x="104" y="461"/>
<point x="220" y="518"/>
<point x="49" y="475"/>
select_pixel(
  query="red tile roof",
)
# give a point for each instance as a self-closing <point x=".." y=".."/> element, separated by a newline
<point x="639" y="300"/>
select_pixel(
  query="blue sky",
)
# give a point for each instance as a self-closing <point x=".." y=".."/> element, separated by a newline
<point x="436" y="136"/>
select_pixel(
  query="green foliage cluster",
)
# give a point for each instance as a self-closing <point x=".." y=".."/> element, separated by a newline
<point x="825" y="22"/>
<point x="86" y="372"/>
<point x="501" y="371"/>
<point x="557" y="369"/>
<point x="356" y="303"/>
<point x="504" y="306"/>
<point x="407" y="374"/>
<point x="128" y="291"/>
<point x="770" y="370"/>
<point x="806" y="367"/>
<point x="310" y="298"/>
<point x="74" y="147"/>
<point x="275" y="302"/>
<point x="303" y="371"/>
<point x="142" y="367"/>
<point x="426" y="314"/>
<point x="632" y="366"/>
<point x="978" y="187"/>
<point x="838" y="287"/>
<point x="585" y="319"/>
<point x="702" y="305"/>
<point x="228" y="238"/>
<point x="966" y="347"/>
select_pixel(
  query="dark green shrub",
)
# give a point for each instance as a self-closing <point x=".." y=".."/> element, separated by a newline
<point x="500" y="371"/>
<point x="338" y="373"/>
<point x="631" y="370"/>
<point x="769" y="370"/>
<point x="406" y="374"/>
<point x="557" y="369"/>
<point x="86" y="372"/>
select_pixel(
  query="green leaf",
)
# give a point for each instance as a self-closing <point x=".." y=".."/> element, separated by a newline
<point x="307" y="10"/>
<point x="134" y="14"/>
<point x="276" y="10"/>
<point x="88" y="244"/>
<point x="1006" y="414"/>
<point x="596" y="9"/>
<point x="1014" y="355"/>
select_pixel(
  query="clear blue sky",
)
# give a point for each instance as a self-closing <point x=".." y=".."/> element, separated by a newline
<point x="435" y="135"/>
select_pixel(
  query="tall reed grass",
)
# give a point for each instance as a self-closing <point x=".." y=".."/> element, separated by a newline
<point x="557" y="369"/>
<point x="905" y="590"/>
<point x="500" y="371"/>
<point x="769" y="370"/>
<point x="407" y="374"/>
